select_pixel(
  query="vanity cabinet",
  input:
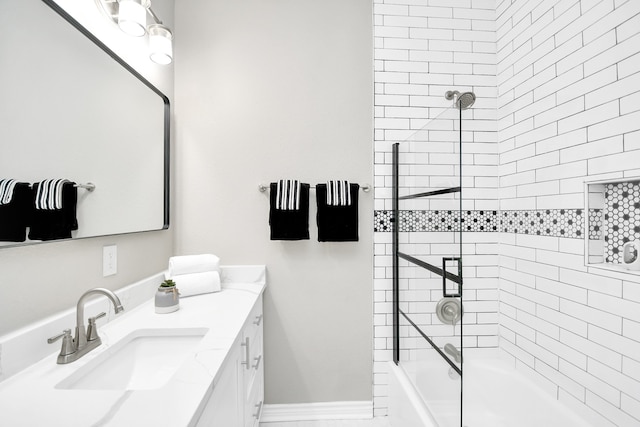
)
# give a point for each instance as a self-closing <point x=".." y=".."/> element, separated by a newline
<point x="253" y="372"/>
<point x="238" y="394"/>
<point x="218" y="381"/>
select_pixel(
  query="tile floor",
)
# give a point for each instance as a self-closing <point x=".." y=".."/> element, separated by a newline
<point x="376" y="422"/>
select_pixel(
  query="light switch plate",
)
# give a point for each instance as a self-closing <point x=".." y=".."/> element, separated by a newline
<point x="109" y="260"/>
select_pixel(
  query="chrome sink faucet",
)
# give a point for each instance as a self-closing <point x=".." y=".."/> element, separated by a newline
<point x="87" y="339"/>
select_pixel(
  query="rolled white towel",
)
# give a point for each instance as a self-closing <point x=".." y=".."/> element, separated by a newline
<point x="187" y="264"/>
<point x="197" y="283"/>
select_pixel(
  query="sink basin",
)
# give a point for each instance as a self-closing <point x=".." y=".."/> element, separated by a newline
<point x="143" y="360"/>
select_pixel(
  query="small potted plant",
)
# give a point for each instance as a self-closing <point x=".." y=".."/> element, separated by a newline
<point x="167" y="297"/>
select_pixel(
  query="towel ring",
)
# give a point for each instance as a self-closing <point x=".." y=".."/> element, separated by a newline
<point x="262" y="188"/>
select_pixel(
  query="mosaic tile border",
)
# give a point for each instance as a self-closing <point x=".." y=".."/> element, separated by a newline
<point x="542" y="222"/>
<point x="616" y="224"/>
<point x="429" y="221"/>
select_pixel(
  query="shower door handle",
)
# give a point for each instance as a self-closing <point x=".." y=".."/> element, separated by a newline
<point x="456" y="278"/>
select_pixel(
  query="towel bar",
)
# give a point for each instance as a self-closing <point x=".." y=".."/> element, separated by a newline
<point x="89" y="186"/>
<point x="262" y="188"/>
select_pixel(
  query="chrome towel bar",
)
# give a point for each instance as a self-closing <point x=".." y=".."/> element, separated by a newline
<point x="365" y="187"/>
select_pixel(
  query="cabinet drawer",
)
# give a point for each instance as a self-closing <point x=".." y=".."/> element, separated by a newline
<point x="254" y="321"/>
<point x="255" y="367"/>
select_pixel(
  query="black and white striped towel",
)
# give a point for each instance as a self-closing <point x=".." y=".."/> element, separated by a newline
<point x="338" y="193"/>
<point x="6" y="190"/>
<point x="49" y="194"/>
<point x="288" y="195"/>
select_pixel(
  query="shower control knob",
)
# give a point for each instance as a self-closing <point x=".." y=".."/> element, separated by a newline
<point x="449" y="310"/>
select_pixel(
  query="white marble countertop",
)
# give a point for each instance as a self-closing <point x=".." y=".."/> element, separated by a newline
<point x="30" y="398"/>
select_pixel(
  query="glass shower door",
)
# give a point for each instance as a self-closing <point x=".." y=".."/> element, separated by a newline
<point x="428" y="264"/>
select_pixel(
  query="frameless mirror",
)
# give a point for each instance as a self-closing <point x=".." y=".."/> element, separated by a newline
<point x="71" y="108"/>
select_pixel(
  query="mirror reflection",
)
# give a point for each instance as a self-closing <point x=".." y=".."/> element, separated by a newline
<point x="71" y="111"/>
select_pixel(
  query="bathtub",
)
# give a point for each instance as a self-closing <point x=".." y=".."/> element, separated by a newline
<point x="495" y="395"/>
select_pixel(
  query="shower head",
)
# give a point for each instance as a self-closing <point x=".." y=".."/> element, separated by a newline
<point x="464" y="101"/>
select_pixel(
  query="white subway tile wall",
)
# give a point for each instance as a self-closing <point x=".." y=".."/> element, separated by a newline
<point x="558" y="320"/>
<point x="558" y="83"/>
<point x="425" y="48"/>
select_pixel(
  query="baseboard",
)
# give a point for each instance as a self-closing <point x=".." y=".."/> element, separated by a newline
<point x="317" y="411"/>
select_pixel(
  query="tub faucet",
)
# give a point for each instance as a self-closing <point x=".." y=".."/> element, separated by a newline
<point x="453" y="352"/>
<point x="85" y="339"/>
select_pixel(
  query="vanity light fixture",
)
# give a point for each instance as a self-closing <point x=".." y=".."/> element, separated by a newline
<point x="131" y="18"/>
<point x="160" y="44"/>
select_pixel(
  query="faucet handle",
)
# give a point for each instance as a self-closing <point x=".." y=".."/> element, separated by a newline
<point x="92" y="329"/>
<point x="94" y="318"/>
<point x="67" y="342"/>
<point x="66" y="332"/>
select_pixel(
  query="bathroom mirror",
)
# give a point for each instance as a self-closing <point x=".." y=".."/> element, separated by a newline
<point x="70" y="108"/>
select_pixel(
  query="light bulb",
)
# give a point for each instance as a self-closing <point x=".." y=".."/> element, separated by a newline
<point x="160" y="44"/>
<point x="132" y="17"/>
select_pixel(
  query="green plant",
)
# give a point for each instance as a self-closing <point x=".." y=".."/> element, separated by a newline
<point x="167" y="283"/>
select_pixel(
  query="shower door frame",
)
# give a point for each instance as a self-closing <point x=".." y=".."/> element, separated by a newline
<point x="442" y="272"/>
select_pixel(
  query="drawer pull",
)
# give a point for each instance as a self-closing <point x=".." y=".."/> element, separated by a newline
<point x="258" y="320"/>
<point x="258" y="412"/>
<point x="247" y="353"/>
<point x="257" y="359"/>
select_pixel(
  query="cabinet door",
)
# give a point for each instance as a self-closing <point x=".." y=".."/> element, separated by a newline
<point x="253" y="405"/>
<point x="225" y="407"/>
<point x="237" y="397"/>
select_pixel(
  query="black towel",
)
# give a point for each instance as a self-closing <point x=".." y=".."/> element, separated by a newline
<point x="289" y="224"/>
<point x="15" y="214"/>
<point x="337" y="223"/>
<point x="49" y="223"/>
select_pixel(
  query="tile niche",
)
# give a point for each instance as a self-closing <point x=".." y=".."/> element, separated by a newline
<point x="613" y="219"/>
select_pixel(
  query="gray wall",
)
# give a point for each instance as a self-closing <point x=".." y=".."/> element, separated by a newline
<point x="269" y="90"/>
<point x="45" y="278"/>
